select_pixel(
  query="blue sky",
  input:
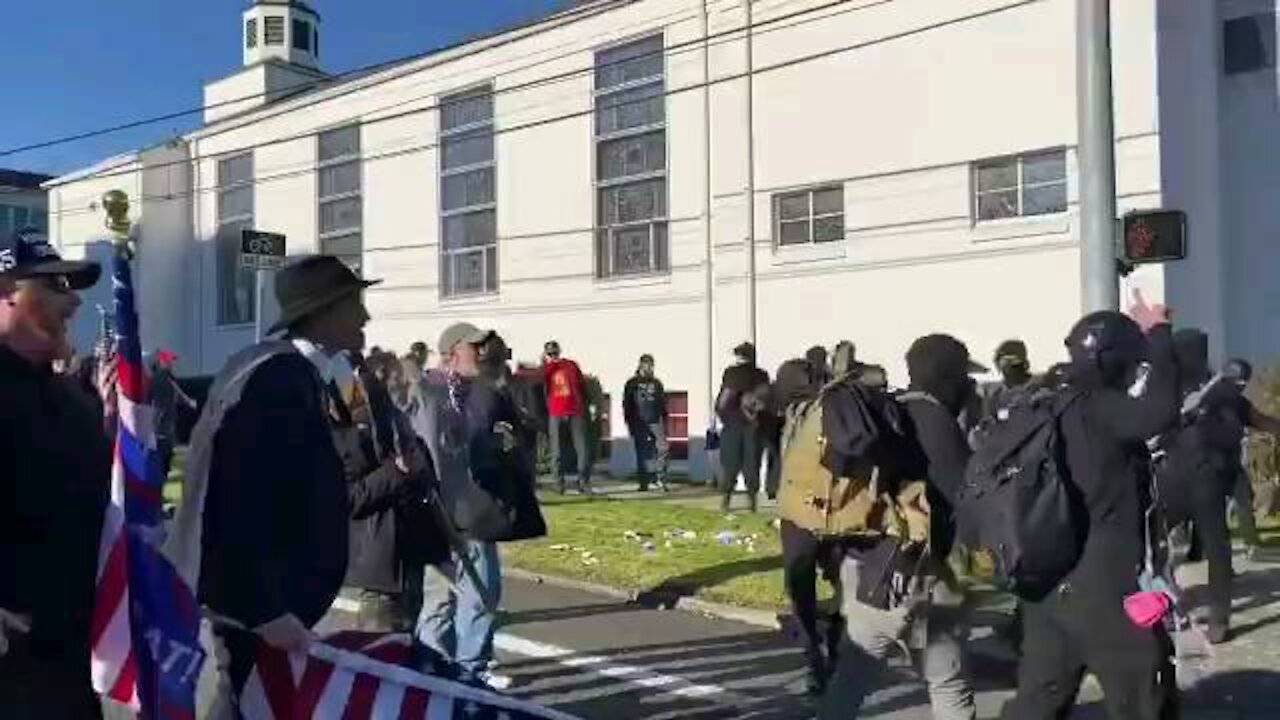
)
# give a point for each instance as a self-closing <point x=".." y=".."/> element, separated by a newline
<point x="78" y="65"/>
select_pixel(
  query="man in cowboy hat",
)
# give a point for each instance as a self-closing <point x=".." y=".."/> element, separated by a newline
<point x="264" y="530"/>
<point x="55" y="469"/>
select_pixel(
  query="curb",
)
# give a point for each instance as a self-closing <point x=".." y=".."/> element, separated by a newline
<point x="660" y="600"/>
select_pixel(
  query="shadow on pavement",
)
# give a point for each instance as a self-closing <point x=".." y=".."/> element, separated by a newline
<point x="668" y="591"/>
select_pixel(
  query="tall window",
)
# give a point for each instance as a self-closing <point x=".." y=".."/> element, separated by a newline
<point x="468" y="202"/>
<point x="237" y="288"/>
<point x="809" y="216"/>
<point x="251" y="33"/>
<point x="340" y="202"/>
<point x="1249" y="44"/>
<point x="273" y="28"/>
<point x="631" y="160"/>
<point x="302" y="35"/>
<point x="1020" y="186"/>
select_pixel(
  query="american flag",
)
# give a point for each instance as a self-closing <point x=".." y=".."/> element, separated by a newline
<point x="145" y="632"/>
<point x="363" y="676"/>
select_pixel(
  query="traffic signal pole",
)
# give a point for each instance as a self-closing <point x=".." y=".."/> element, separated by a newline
<point x="1100" y="288"/>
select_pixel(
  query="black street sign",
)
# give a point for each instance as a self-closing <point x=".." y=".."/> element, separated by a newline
<point x="261" y="250"/>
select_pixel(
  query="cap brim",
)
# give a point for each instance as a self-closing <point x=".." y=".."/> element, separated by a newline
<point x="977" y="368"/>
<point x="80" y="274"/>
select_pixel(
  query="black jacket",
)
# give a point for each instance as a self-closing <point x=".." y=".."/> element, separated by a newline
<point x="944" y="455"/>
<point x="1105" y="433"/>
<point x="276" y="513"/>
<point x="55" y="476"/>
<point x="644" y="401"/>
<point x="391" y="527"/>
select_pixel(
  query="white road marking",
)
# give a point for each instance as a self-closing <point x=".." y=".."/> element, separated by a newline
<point x="629" y="674"/>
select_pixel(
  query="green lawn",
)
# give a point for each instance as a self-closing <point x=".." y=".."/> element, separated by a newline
<point x="659" y="545"/>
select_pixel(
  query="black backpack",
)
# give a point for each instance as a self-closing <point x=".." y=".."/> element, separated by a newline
<point x="1018" y="502"/>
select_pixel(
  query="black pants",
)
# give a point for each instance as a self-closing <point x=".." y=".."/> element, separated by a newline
<point x="1204" y="504"/>
<point x="741" y="447"/>
<point x="1069" y="633"/>
<point x="32" y="689"/>
<point x="803" y="554"/>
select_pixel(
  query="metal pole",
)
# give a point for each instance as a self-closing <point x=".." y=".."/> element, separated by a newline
<point x="710" y="274"/>
<point x="257" y="310"/>
<point x="751" y="181"/>
<point x="1099" y="281"/>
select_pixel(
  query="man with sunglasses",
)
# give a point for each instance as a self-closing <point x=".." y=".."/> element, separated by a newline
<point x="55" y="467"/>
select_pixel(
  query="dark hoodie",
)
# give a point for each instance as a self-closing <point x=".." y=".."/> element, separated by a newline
<point x="1191" y="347"/>
<point x="1105" y="433"/>
<point x="939" y="366"/>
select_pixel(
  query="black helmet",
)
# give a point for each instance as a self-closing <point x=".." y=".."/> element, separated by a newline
<point x="1107" y="343"/>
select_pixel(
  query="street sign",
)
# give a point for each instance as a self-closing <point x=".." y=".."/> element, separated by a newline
<point x="1153" y="236"/>
<point x="261" y="250"/>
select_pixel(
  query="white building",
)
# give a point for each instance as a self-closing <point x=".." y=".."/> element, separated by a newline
<point x="583" y="178"/>
<point x="23" y="202"/>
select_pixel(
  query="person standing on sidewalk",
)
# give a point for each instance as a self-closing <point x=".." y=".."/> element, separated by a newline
<point x="566" y="406"/>
<point x="743" y="400"/>
<point x="55" y="475"/>
<point x="644" y="406"/>
<point x="470" y="427"/>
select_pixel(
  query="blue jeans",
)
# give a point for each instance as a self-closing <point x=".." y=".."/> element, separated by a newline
<point x="454" y="621"/>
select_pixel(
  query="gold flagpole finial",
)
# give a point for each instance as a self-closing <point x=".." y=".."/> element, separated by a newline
<point x="116" y="203"/>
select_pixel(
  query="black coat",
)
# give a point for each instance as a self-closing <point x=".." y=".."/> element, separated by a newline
<point x="276" y="514"/>
<point x="1105" y="434"/>
<point x="55" y="476"/>
<point x="391" y="526"/>
<point x="945" y="454"/>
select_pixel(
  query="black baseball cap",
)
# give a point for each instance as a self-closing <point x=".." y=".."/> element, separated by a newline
<point x="27" y="254"/>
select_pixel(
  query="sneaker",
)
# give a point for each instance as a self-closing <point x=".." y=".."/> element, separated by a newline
<point x="495" y="681"/>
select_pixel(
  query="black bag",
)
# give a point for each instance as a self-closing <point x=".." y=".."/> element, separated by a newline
<point x="889" y="573"/>
<point x="1018" y="502"/>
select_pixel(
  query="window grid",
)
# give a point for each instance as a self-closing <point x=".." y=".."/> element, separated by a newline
<point x="631" y="160"/>
<point x="1016" y="192"/>
<point x="251" y="33"/>
<point x="237" y="287"/>
<point x="341" y="208"/>
<point x="273" y="29"/>
<point x="468" y="194"/>
<point x="815" y="225"/>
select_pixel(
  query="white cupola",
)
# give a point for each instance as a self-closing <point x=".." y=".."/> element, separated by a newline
<point x="281" y="30"/>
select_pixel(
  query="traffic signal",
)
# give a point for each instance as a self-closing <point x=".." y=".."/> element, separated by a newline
<point x="1152" y="236"/>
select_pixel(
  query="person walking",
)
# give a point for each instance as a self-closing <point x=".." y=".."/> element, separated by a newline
<point x="470" y="427"/>
<point x="644" y="407"/>
<point x="55" y="476"/>
<point x="742" y="406"/>
<point x="932" y="620"/>
<point x="263" y="533"/>
<point x="566" y="408"/>
<point x="1081" y="626"/>
<point x="167" y="397"/>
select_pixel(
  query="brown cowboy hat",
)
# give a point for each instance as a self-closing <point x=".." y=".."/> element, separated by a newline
<point x="311" y="284"/>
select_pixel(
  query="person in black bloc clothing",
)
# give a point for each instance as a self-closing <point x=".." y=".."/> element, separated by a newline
<point x="644" y="406"/>
<point x="55" y="475"/>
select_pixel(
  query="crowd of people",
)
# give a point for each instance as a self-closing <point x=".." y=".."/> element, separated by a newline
<point x="314" y="504"/>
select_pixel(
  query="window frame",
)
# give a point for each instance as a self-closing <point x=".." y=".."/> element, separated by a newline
<point x="607" y="234"/>
<point x="488" y="253"/>
<point x="677" y="443"/>
<point x="303" y="37"/>
<point x="225" y="186"/>
<point x="811" y="217"/>
<point x="354" y="158"/>
<point x="251" y="33"/>
<point x="268" y="22"/>
<point x="1020" y="186"/>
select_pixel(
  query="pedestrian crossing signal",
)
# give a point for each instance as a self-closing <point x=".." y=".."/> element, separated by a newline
<point x="1153" y="236"/>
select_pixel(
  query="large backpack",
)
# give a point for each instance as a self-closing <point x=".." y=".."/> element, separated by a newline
<point x="851" y="485"/>
<point x="1018" y="502"/>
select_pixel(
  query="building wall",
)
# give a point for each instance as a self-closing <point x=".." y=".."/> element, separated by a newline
<point x="890" y="101"/>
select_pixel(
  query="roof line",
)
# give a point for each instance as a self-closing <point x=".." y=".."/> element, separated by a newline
<point x="413" y="64"/>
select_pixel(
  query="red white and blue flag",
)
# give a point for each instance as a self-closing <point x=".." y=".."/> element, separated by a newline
<point x="145" y="633"/>
<point x="363" y="676"/>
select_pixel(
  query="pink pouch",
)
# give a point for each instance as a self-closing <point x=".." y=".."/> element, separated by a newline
<point x="1147" y="608"/>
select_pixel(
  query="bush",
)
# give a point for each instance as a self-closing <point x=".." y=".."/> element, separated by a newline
<point x="1262" y="459"/>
